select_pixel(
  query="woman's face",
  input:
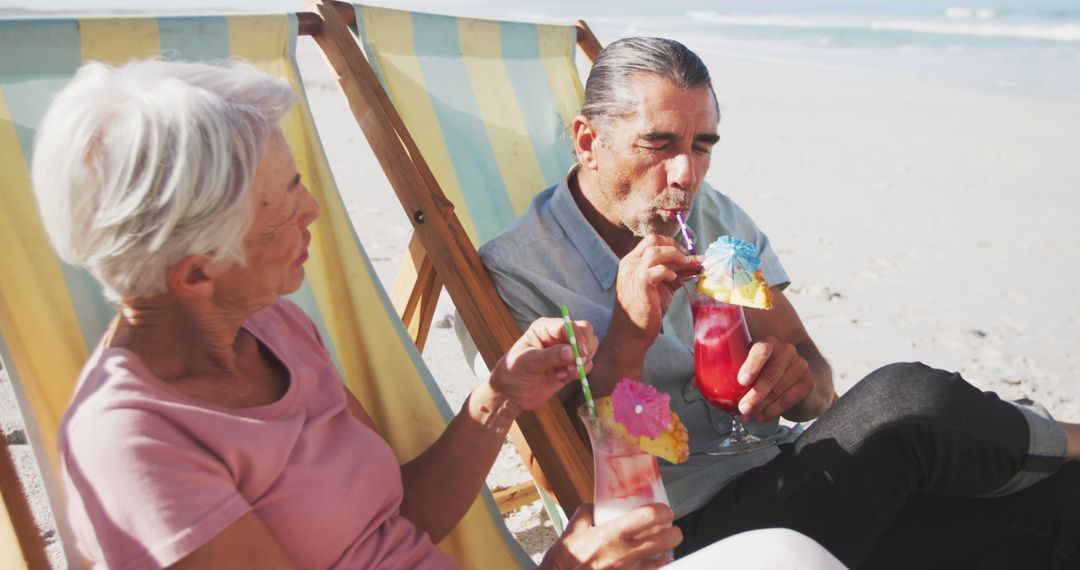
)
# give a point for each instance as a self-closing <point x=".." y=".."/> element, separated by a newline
<point x="276" y="245"/>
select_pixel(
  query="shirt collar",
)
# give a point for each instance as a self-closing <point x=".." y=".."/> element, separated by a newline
<point x="592" y="248"/>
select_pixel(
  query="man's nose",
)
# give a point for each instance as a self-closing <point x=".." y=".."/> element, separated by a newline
<point x="680" y="172"/>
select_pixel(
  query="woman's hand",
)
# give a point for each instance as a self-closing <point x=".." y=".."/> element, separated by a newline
<point x="541" y="362"/>
<point x="639" y="539"/>
<point x="442" y="482"/>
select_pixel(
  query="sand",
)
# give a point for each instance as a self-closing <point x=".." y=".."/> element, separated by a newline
<point x="918" y="220"/>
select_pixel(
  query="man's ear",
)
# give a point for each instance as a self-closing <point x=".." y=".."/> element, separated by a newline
<point x="191" y="277"/>
<point x="584" y="140"/>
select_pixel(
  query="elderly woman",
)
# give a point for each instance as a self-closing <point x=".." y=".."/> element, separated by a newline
<point x="210" y="428"/>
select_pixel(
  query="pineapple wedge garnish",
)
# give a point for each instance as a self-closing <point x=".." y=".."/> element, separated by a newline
<point x="756" y="294"/>
<point x="673" y="445"/>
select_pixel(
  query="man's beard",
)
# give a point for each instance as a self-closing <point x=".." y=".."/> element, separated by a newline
<point x="653" y="225"/>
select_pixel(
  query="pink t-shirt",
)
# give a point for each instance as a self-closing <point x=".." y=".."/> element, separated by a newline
<point x="151" y="474"/>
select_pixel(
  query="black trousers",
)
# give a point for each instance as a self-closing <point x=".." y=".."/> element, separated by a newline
<point x="891" y="477"/>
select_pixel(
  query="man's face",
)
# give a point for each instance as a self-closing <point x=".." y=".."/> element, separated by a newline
<point x="650" y="164"/>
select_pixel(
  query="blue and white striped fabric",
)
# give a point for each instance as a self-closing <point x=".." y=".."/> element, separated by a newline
<point x="489" y="104"/>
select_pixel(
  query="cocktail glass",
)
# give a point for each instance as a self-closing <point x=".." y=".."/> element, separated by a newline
<point x="626" y="476"/>
<point x="721" y="343"/>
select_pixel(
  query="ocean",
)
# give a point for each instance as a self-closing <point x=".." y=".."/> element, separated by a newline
<point x="1031" y="45"/>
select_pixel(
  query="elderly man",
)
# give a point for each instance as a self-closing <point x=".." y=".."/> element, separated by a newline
<point x="906" y="462"/>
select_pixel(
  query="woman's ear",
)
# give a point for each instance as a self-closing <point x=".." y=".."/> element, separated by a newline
<point x="192" y="277"/>
<point x="584" y="139"/>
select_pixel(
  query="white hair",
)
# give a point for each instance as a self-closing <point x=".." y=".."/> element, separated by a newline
<point x="137" y="166"/>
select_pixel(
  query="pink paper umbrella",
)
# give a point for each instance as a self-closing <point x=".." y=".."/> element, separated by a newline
<point x="642" y="410"/>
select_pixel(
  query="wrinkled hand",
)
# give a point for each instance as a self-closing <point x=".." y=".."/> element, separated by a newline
<point x="646" y="281"/>
<point x="779" y="379"/>
<point x="638" y="539"/>
<point x="541" y="362"/>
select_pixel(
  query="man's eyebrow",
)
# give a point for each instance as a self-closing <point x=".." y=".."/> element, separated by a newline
<point x="666" y="136"/>
<point x="663" y="136"/>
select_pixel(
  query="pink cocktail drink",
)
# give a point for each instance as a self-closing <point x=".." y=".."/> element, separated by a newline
<point x="625" y="481"/>
<point x="721" y="343"/>
<point x="626" y="476"/>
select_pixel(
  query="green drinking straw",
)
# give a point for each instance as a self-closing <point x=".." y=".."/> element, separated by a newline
<point x="579" y="361"/>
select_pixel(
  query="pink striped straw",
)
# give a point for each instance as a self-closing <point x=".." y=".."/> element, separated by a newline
<point x="686" y="233"/>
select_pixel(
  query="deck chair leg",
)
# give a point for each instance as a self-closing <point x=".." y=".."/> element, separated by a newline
<point x="515" y="496"/>
<point x="18" y="531"/>
<point x="540" y="488"/>
<point x="415" y="293"/>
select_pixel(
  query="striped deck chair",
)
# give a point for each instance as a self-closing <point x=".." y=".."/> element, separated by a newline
<point x="52" y="315"/>
<point x="469" y="119"/>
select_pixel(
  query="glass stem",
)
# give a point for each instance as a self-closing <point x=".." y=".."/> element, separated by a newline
<point x="738" y="432"/>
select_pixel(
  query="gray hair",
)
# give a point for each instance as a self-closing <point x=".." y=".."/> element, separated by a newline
<point x="137" y="166"/>
<point x="608" y="89"/>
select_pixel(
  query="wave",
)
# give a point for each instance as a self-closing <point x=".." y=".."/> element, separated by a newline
<point x="1054" y="32"/>
<point x="1063" y="32"/>
<point x="960" y="12"/>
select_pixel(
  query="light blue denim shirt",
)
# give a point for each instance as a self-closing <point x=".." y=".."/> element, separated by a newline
<point x="552" y="256"/>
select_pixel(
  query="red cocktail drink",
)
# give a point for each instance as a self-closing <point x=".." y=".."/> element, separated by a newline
<point x="721" y="342"/>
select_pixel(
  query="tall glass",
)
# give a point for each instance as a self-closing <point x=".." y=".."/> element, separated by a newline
<point x="721" y="343"/>
<point x="626" y="476"/>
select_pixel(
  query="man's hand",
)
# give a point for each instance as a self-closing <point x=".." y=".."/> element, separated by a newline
<point x="648" y="277"/>
<point x="541" y="362"/>
<point x="778" y="377"/>
<point x="638" y="539"/>
<point x="786" y="373"/>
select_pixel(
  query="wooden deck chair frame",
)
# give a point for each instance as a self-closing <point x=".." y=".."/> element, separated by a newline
<point x="441" y="253"/>
<point x="24" y="547"/>
<point x="20" y="542"/>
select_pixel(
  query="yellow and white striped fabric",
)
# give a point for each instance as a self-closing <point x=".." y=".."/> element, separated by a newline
<point x="489" y="104"/>
<point x="52" y="315"/>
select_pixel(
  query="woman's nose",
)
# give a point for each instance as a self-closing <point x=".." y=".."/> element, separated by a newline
<point x="311" y="208"/>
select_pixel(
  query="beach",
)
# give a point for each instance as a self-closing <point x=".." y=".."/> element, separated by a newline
<point x="919" y="219"/>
